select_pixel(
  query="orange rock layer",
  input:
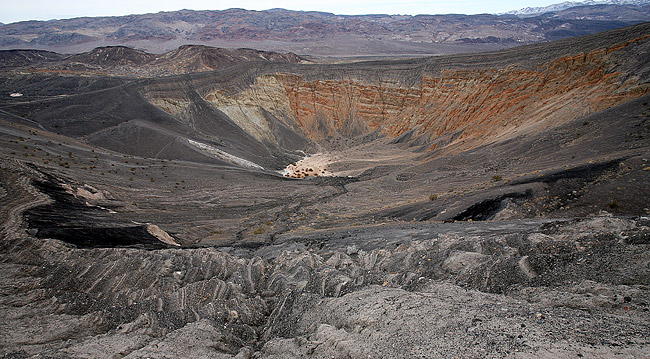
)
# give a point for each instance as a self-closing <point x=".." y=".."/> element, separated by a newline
<point x="481" y="105"/>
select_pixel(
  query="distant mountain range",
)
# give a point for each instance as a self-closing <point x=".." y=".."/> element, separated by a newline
<point x="323" y="34"/>
<point x="531" y="11"/>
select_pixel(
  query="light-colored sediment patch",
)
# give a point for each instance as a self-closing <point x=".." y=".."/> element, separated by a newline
<point x="225" y="156"/>
<point x="161" y="235"/>
<point x="350" y="162"/>
<point x="313" y="165"/>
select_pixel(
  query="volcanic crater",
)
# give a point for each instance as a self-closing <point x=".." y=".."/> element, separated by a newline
<point x="479" y="205"/>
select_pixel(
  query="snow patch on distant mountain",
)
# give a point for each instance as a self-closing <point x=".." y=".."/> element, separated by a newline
<point x="532" y="11"/>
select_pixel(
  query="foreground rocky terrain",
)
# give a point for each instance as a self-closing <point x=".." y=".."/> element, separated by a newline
<point x="488" y="205"/>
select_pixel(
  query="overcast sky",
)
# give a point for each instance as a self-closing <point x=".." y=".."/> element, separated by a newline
<point x="19" y="10"/>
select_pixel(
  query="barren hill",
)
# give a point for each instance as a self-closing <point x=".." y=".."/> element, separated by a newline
<point x="481" y="205"/>
<point x="18" y="58"/>
<point x="125" y="61"/>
